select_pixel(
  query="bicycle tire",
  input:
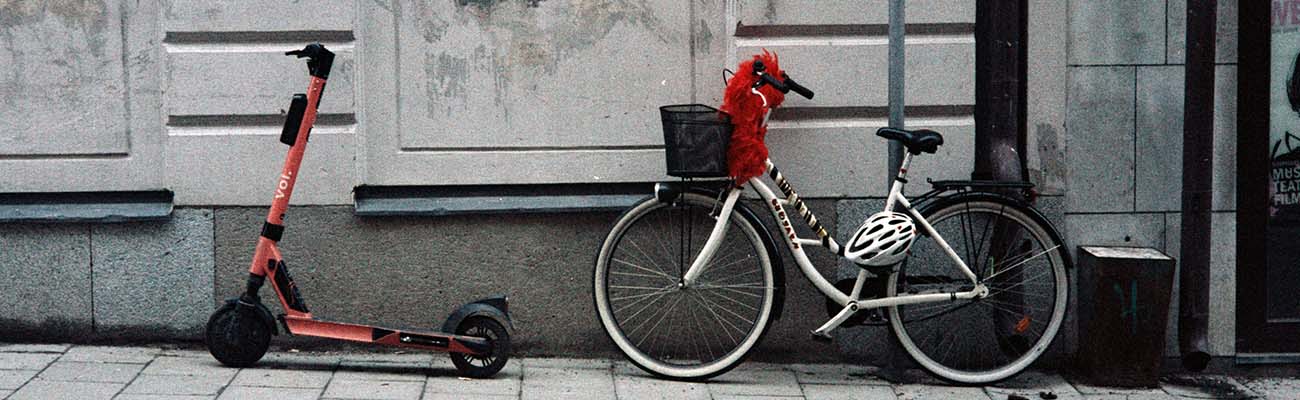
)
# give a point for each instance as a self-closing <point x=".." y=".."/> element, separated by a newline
<point x="743" y="247"/>
<point x="960" y="324"/>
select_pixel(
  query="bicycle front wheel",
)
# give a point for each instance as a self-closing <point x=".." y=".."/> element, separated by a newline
<point x="987" y="338"/>
<point x="694" y="332"/>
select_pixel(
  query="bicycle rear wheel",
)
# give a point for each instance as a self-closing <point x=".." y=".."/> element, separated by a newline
<point x="988" y="338"/>
<point x="683" y="333"/>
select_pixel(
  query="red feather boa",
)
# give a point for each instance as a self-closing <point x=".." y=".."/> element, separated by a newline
<point x="747" y="155"/>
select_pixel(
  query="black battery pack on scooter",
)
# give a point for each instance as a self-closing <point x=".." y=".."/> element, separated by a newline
<point x="294" y="120"/>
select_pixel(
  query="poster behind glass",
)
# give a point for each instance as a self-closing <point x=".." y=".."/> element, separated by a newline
<point x="1284" y="175"/>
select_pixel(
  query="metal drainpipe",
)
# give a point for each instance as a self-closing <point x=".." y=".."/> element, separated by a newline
<point x="1198" y="151"/>
<point x="1000" y="51"/>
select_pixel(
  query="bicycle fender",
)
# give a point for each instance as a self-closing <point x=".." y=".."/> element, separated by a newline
<point x="262" y="311"/>
<point x="670" y="191"/>
<point x="495" y="307"/>
<point x="936" y="204"/>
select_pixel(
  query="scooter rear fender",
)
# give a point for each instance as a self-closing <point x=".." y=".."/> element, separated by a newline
<point x="496" y="307"/>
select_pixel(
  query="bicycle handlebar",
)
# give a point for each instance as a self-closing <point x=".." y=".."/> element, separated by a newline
<point x="784" y="87"/>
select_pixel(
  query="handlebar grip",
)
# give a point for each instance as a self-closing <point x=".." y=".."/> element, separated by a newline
<point x="796" y="87"/>
<point x="768" y="79"/>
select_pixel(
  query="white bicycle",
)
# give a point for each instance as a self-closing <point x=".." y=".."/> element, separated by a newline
<point x="688" y="280"/>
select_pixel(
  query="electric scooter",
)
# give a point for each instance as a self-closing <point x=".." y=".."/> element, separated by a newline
<point x="476" y="335"/>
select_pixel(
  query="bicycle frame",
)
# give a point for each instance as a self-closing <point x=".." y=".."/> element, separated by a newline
<point x="851" y="301"/>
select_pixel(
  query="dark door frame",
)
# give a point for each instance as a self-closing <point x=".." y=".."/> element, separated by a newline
<point x="1255" y="334"/>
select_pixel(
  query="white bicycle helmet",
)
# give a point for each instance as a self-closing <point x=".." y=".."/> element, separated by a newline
<point x="883" y="240"/>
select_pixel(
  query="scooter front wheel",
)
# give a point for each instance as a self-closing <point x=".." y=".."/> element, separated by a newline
<point x="237" y="336"/>
<point x="485" y="365"/>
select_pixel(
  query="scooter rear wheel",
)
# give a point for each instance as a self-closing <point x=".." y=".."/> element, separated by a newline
<point x="237" y="336"/>
<point x="486" y="365"/>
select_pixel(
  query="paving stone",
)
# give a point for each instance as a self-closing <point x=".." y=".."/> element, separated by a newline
<point x="382" y="371"/>
<point x="13" y="379"/>
<point x="506" y="382"/>
<point x="549" y="383"/>
<point x="189" y="366"/>
<point x="26" y="360"/>
<point x="752" y="397"/>
<point x="177" y="384"/>
<point x="161" y="397"/>
<point x="284" y="378"/>
<point x="640" y="387"/>
<point x="568" y="363"/>
<point x="134" y="355"/>
<point x="927" y="392"/>
<point x="91" y="372"/>
<point x="5" y="393"/>
<point x="756" y="382"/>
<point x="836" y="374"/>
<point x="1091" y="389"/>
<point x="454" y="396"/>
<point x="1205" y="387"/>
<point x="33" y="348"/>
<point x="1273" y="387"/>
<point x="184" y="353"/>
<point x="299" y="361"/>
<point x="265" y="393"/>
<point x="1034" y="382"/>
<point x="848" y="392"/>
<point x="350" y="389"/>
<point x="40" y="389"/>
<point x="361" y="358"/>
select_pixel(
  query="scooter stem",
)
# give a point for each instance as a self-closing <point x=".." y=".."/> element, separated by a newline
<point x="267" y="255"/>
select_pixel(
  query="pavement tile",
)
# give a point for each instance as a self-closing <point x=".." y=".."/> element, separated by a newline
<point x="382" y="371"/>
<point x="177" y="384"/>
<point x="640" y="387"/>
<point x="134" y="355"/>
<point x="930" y="392"/>
<point x="91" y="372"/>
<point x="1091" y="389"/>
<point x="304" y="360"/>
<point x="1031" y="383"/>
<point x="13" y="379"/>
<point x="1273" y="387"/>
<point x="552" y="383"/>
<point x="420" y="357"/>
<point x="348" y="389"/>
<point x="161" y="397"/>
<point x="753" y="397"/>
<point x="847" y="392"/>
<point x="454" y="396"/>
<point x="568" y="363"/>
<point x="504" y="383"/>
<point x="26" y="360"/>
<point x="184" y="353"/>
<point x="1205" y="387"/>
<point x="265" y="393"/>
<point x="33" y="348"/>
<point x="286" y="378"/>
<point x="760" y="382"/>
<point x="189" y="366"/>
<point x="5" y="393"/>
<point x="836" y="374"/>
<point x="40" y="389"/>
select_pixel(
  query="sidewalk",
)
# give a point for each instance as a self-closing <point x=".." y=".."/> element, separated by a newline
<point x="54" y="371"/>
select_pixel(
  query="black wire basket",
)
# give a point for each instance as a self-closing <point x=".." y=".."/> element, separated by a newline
<point x="695" y="140"/>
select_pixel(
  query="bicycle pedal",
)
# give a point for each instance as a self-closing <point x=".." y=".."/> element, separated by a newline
<point x="821" y="337"/>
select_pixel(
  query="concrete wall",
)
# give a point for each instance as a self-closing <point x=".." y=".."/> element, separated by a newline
<point x="186" y="96"/>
